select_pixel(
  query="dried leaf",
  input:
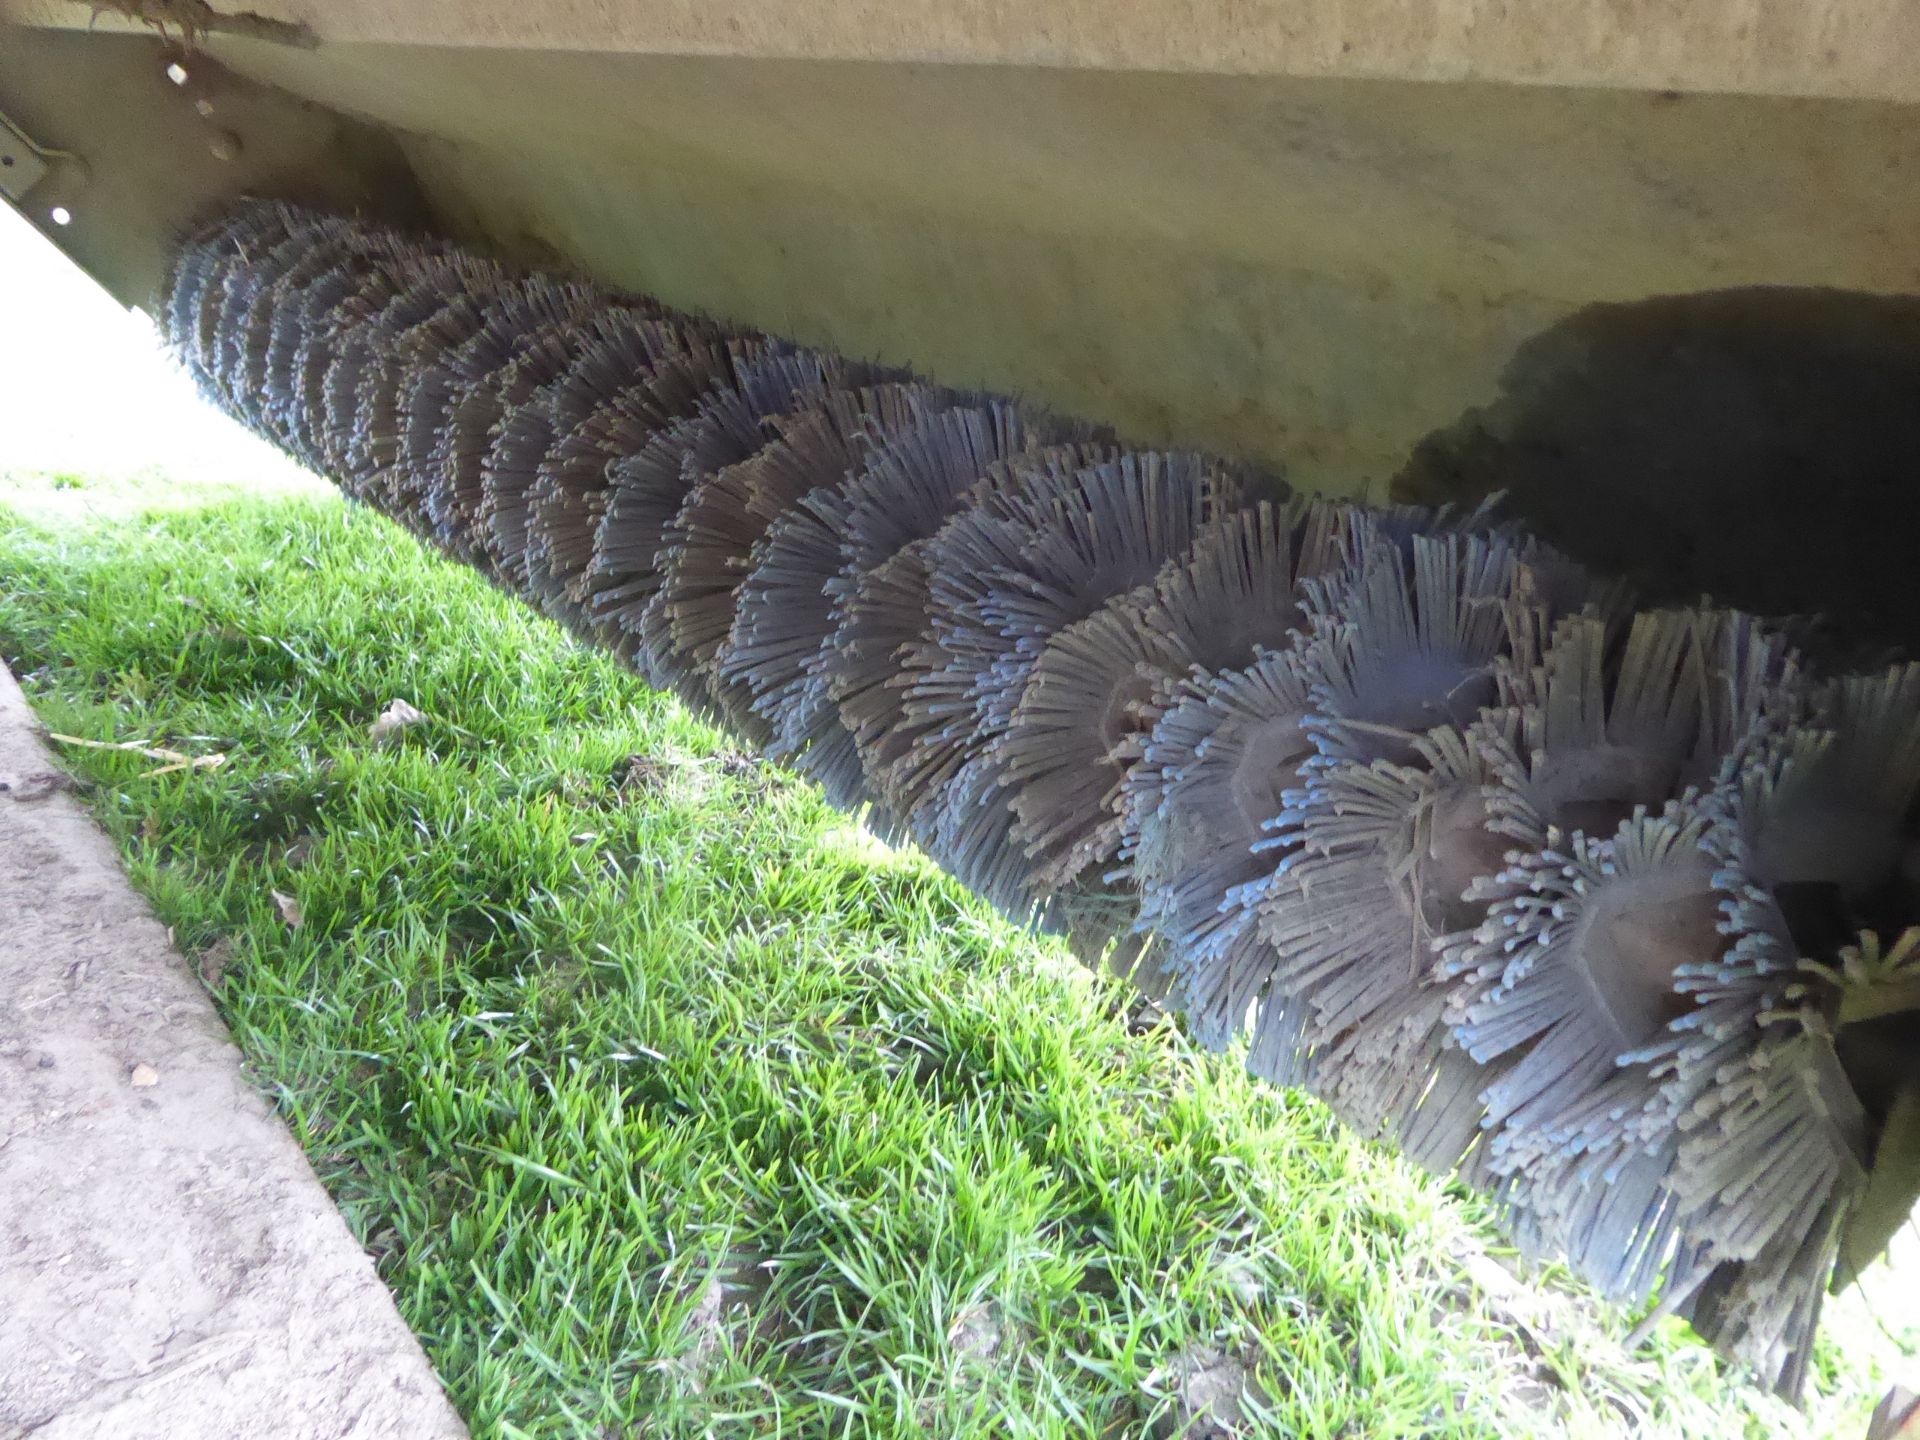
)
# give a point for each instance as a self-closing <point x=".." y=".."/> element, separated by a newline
<point x="173" y="758"/>
<point x="394" y="721"/>
<point x="288" y="907"/>
<point x="201" y="762"/>
<point x="137" y="747"/>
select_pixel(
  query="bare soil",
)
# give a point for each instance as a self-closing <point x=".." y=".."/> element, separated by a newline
<point x="169" y="1265"/>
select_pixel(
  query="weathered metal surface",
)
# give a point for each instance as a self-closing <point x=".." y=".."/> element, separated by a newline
<point x="1855" y="48"/>
<point x="150" y="154"/>
<point x="21" y="165"/>
<point x="1295" y="265"/>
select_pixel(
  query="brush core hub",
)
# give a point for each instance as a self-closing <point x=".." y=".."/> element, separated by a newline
<point x="1270" y="757"/>
<point x="1637" y="932"/>
<point x="1592" y="789"/>
<point x="1235" y="635"/>
<point x="1458" y="849"/>
<point x="1412" y="692"/>
<point x="1120" y="717"/>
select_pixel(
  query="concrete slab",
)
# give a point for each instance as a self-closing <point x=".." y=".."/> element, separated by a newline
<point x="169" y="1265"/>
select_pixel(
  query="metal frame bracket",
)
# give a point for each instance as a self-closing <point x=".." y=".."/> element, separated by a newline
<point x="25" y="162"/>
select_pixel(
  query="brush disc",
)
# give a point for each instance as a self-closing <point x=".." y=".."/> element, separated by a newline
<point x="1607" y="912"/>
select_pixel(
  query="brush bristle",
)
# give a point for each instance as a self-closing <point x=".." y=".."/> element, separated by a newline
<point x="1607" y="911"/>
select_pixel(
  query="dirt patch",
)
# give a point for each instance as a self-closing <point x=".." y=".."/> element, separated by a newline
<point x="172" y="1268"/>
<point x="1206" y="1392"/>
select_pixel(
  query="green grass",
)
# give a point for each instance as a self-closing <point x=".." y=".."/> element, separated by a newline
<point x="671" y="1105"/>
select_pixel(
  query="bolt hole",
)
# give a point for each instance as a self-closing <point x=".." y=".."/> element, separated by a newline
<point x="6" y="162"/>
<point x="177" y="73"/>
<point x="60" y="215"/>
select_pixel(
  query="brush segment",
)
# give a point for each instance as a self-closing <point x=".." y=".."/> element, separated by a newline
<point x="1605" y="909"/>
